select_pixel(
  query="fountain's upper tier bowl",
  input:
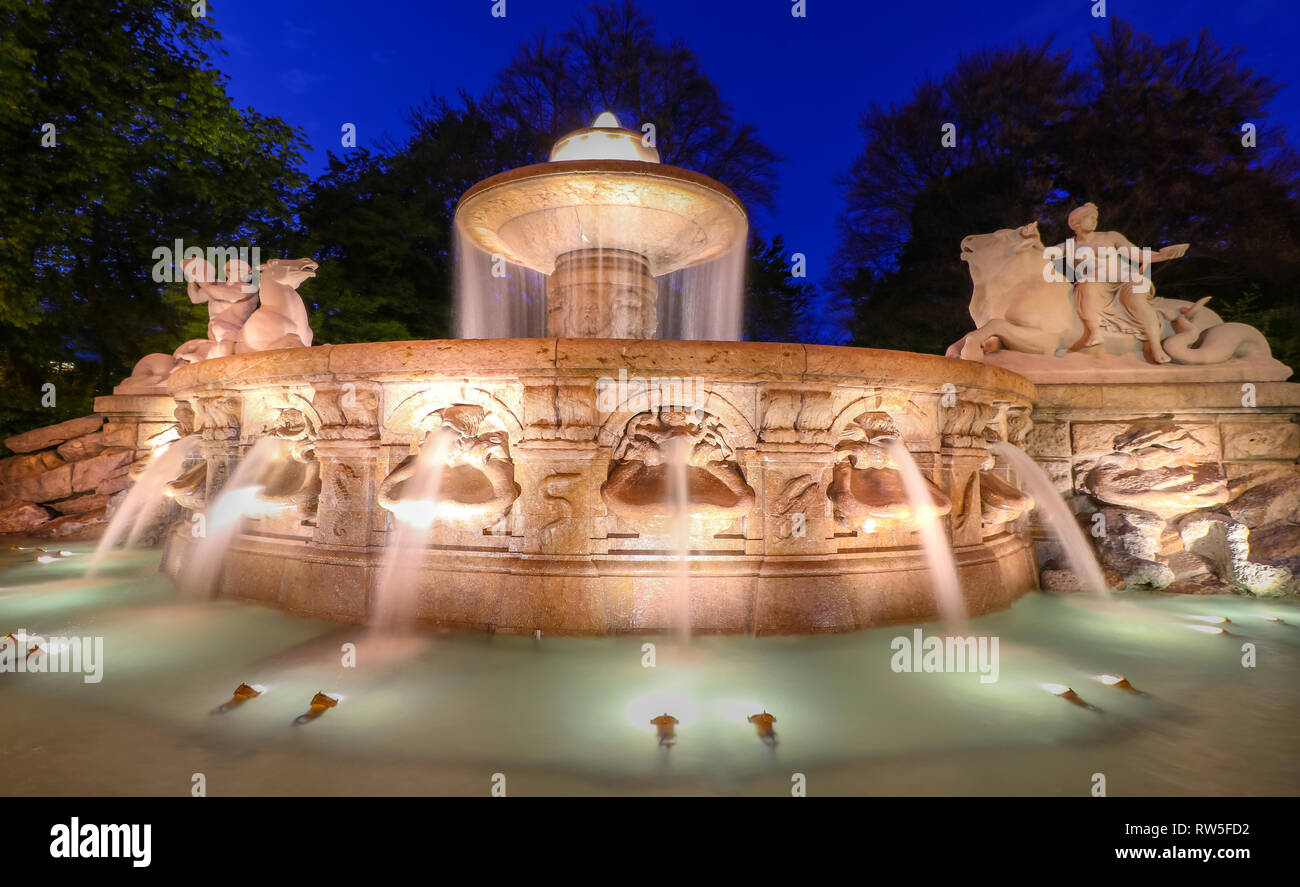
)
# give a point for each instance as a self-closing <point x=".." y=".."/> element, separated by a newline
<point x="673" y="217"/>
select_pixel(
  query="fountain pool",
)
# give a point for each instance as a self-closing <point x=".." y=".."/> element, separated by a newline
<point x="440" y="713"/>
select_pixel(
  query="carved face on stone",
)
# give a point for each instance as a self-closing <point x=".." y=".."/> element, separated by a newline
<point x="1083" y="220"/>
<point x="291" y="424"/>
<point x="626" y="313"/>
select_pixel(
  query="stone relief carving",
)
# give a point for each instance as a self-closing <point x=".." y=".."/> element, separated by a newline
<point x="640" y="489"/>
<point x="1154" y="468"/>
<point x="999" y="502"/>
<point x="867" y="491"/>
<point x="798" y="495"/>
<point x="551" y="488"/>
<point x="349" y="410"/>
<point x="476" y="486"/>
<point x="217" y="417"/>
<point x="294" y="483"/>
<point x="969" y="424"/>
<point x="1019" y="426"/>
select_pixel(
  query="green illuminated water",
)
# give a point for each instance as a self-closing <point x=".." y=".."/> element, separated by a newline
<point x="440" y="713"/>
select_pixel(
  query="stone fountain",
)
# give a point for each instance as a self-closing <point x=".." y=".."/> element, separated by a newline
<point x="555" y="512"/>
<point x="600" y="480"/>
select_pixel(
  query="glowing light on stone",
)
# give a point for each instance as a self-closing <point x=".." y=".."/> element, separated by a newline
<point x="604" y="140"/>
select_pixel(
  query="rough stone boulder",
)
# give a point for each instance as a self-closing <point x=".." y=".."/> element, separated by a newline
<point x="18" y="468"/>
<point x="80" y="504"/>
<point x="53" y="435"/>
<point x="82" y="447"/>
<point x="76" y="526"/>
<point x="61" y="480"/>
<point x="22" y="518"/>
<point x="1225" y="543"/>
<point x="45" y="487"/>
<point x="1275" y="500"/>
<point x="1277" y="544"/>
<point x="90" y="473"/>
<point x="1131" y="545"/>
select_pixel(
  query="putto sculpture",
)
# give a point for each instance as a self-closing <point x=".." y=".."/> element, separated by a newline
<point x="242" y="316"/>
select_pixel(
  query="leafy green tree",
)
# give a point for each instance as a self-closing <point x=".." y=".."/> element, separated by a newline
<point x="381" y="225"/>
<point x="1150" y="132"/>
<point x="145" y="147"/>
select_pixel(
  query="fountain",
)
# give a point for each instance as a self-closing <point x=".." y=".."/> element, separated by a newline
<point x="603" y="220"/>
<point x="561" y="472"/>
<point x="729" y="487"/>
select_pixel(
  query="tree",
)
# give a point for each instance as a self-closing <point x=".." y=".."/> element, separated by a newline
<point x="777" y="304"/>
<point x="611" y="59"/>
<point x="1149" y="132"/>
<point x="381" y="225"/>
<point x="145" y="147"/>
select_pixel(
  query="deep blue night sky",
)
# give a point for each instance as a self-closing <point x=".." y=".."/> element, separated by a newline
<point x="321" y="63"/>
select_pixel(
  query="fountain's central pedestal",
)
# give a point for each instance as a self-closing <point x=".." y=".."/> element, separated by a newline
<point x="601" y="294"/>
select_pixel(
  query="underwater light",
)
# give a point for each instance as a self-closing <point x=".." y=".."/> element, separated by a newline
<point x="242" y="694"/>
<point x="1278" y="619"/>
<point x="1213" y="620"/>
<point x="66" y="553"/>
<point x="31" y="641"/>
<point x="665" y="726"/>
<point x="46" y="559"/>
<point x="763" y="723"/>
<point x="1118" y="681"/>
<point x="1206" y="629"/>
<point x="1068" y="694"/>
<point x="320" y="703"/>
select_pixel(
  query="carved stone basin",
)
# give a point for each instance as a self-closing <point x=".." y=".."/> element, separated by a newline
<point x="292" y="484"/>
<point x="556" y="505"/>
<point x="673" y="217"/>
<point x="468" y="480"/>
